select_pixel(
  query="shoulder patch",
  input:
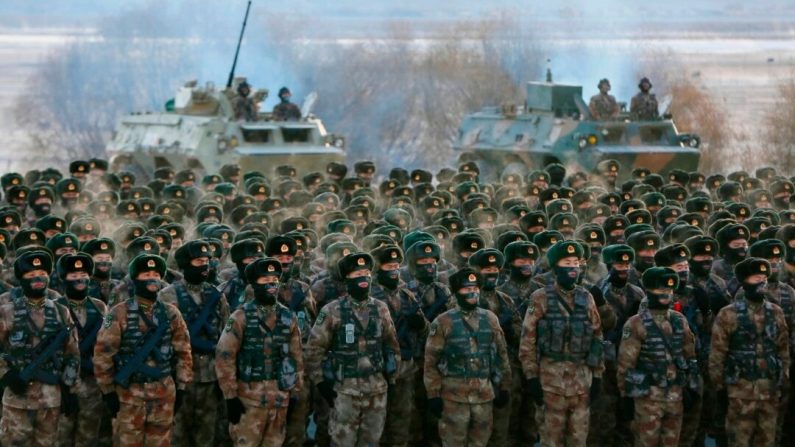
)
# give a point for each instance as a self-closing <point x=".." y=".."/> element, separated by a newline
<point x="531" y="305"/>
<point x="432" y="330"/>
<point x="108" y="320"/>
<point x="626" y="332"/>
<point x="229" y="322"/>
<point x="320" y="317"/>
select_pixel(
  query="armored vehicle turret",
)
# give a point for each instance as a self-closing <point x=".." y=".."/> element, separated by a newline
<point x="554" y="125"/>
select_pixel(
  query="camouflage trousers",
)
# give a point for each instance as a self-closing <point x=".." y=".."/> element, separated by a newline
<point x="298" y="417"/>
<point x="424" y="425"/>
<point x="691" y="424"/>
<point x="82" y="429"/>
<point x="507" y="420"/>
<point x="751" y="422"/>
<point x="465" y="425"/>
<point x="144" y="424"/>
<point x="29" y="428"/>
<point x="399" y="411"/>
<point x="657" y="423"/>
<point x="321" y="416"/>
<point x="783" y="413"/>
<point x="563" y="420"/>
<point x="357" y="421"/>
<point x="194" y="423"/>
<point x="607" y="429"/>
<point x="260" y="427"/>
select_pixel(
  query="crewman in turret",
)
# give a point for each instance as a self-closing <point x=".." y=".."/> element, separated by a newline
<point x="285" y="110"/>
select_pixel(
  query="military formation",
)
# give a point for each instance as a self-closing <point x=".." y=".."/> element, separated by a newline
<point x="337" y="308"/>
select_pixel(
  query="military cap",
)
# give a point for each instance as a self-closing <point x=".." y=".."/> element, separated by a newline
<point x="486" y="257"/>
<point x="714" y="181"/>
<point x="469" y="167"/>
<point x="767" y="249"/>
<point x="351" y="183"/>
<point x="209" y="211"/>
<point x="557" y="206"/>
<point x="509" y="236"/>
<point x="211" y="180"/>
<point x="79" y="262"/>
<point x="751" y="266"/>
<point x="143" y="244"/>
<point x="465" y="277"/>
<point x="769" y="232"/>
<point x="765" y="173"/>
<point x="729" y="189"/>
<point x="786" y="217"/>
<point x="294" y="223"/>
<point x="731" y="232"/>
<point x="225" y="188"/>
<point x="413" y="237"/>
<point x="533" y="219"/>
<point x="698" y="205"/>
<point x="640" y="216"/>
<point x="654" y="180"/>
<point x="398" y="217"/>
<point x="466" y="188"/>
<point x="483" y="215"/>
<point x="628" y="206"/>
<point x="678" y="232"/>
<point x="660" y="278"/>
<point x="63" y="240"/>
<point x="18" y="193"/>
<point x="28" y="236"/>
<point x="100" y="245"/>
<point x="32" y="260"/>
<point x="781" y="186"/>
<point x="786" y="233"/>
<point x="740" y="210"/>
<point x="364" y="167"/>
<point x="618" y="253"/>
<point x="3" y="251"/>
<point x="756" y="225"/>
<point x="353" y="262"/>
<point x="563" y="220"/>
<point x="387" y="254"/>
<point x="521" y="250"/>
<point x="281" y="245"/>
<point x="679" y="176"/>
<point x="608" y="166"/>
<point x="591" y="233"/>
<point x="674" y="192"/>
<point x="286" y="171"/>
<point x="51" y="222"/>
<point x="341" y="226"/>
<point x="423" y="249"/>
<point x="672" y="254"/>
<point x="164" y="173"/>
<point x="191" y="250"/>
<point x="468" y="241"/>
<point x="337" y="169"/>
<point x="702" y="246"/>
<point x="98" y="164"/>
<point x="564" y="249"/>
<point x="653" y="199"/>
<point x="11" y="179"/>
<point x="547" y="238"/>
<point x="615" y="222"/>
<point x="146" y="262"/>
<point x="51" y="175"/>
<point x="246" y="248"/>
<point x="640" y="173"/>
<point x="263" y="267"/>
<point x="695" y="177"/>
<point x="557" y="172"/>
<point x="272" y="204"/>
<point x="644" y="240"/>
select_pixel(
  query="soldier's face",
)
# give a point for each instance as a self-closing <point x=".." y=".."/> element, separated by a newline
<point x="681" y="266"/>
<point x="267" y="279"/>
<point x="74" y="276"/>
<point x="199" y="262"/>
<point x="755" y="279"/>
<point x="645" y="87"/>
<point x="151" y="274"/>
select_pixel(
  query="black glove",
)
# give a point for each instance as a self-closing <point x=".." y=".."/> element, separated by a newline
<point x="326" y="389"/>
<point x="291" y="406"/>
<point x="234" y="409"/>
<point x="628" y="408"/>
<point x="178" y="399"/>
<point x="69" y="403"/>
<point x="416" y="321"/>
<point x="502" y="399"/>
<point x="435" y="406"/>
<point x="112" y="402"/>
<point x="689" y="398"/>
<point x="534" y="390"/>
<point x="702" y="301"/>
<point x="595" y="391"/>
<point x="15" y="383"/>
<point x="598" y="298"/>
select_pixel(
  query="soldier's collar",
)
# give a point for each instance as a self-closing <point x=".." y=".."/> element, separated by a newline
<point x="359" y="305"/>
<point x="74" y="304"/>
<point x="266" y="309"/>
<point x="37" y="303"/>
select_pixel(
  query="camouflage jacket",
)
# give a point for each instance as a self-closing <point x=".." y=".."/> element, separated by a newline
<point x="603" y="107"/>
<point x="265" y="393"/>
<point x="643" y="107"/>
<point x="475" y="390"/>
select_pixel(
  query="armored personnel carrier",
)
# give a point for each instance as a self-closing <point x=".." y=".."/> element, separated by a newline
<point x="199" y="131"/>
<point x="555" y="126"/>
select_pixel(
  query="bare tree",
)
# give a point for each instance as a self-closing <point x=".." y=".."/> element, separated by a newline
<point x="779" y="131"/>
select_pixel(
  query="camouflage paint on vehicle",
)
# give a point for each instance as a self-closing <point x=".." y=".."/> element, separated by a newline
<point x="199" y="132"/>
<point x="554" y="125"/>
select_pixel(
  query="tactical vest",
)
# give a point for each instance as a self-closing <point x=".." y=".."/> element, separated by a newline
<point x="132" y="338"/>
<point x="505" y="317"/>
<point x="458" y="359"/>
<point x="86" y="334"/>
<point x="786" y="301"/>
<point x="406" y="339"/>
<point x="21" y="351"/>
<point x="568" y="338"/>
<point x="203" y="324"/>
<point x="657" y="352"/>
<point x="253" y="363"/>
<point x="297" y="306"/>
<point x="235" y="292"/>
<point x="742" y="360"/>
<point x="348" y="361"/>
<point x="420" y="291"/>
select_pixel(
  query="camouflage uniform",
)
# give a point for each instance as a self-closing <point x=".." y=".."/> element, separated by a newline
<point x="643" y="107"/>
<point x="147" y="402"/>
<point x="83" y="428"/>
<point x="235" y="289"/>
<point x="743" y="332"/>
<point x="603" y="106"/>
<point x="607" y="425"/>
<point x="32" y="418"/>
<point x="257" y="342"/>
<point x="400" y="400"/>
<point x="461" y="368"/>
<point x="286" y="111"/>
<point x="194" y="423"/>
<point x="565" y="361"/>
<point x="784" y="295"/>
<point x="359" y="412"/>
<point x="245" y="108"/>
<point x="656" y="360"/>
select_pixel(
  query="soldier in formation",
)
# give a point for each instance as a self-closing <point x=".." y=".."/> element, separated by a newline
<point x="606" y="308"/>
